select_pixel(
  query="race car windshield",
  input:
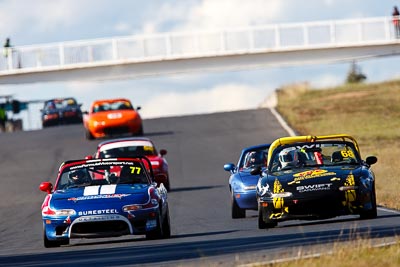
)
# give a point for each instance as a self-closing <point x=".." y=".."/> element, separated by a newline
<point x="128" y="152"/>
<point x="87" y="175"/>
<point x="296" y="156"/>
<point x="254" y="158"/>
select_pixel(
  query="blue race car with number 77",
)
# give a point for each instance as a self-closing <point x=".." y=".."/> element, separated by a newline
<point x="104" y="198"/>
<point x="242" y="184"/>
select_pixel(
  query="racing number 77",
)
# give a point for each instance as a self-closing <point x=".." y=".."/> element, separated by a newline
<point x="137" y="169"/>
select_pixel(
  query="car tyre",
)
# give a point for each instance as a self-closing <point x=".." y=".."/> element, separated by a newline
<point x="261" y="222"/>
<point x="53" y="244"/>
<point x="237" y="212"/>
<point x="140" y="132"/>
<point x="166" y="225"/>
<point x="156" y="233"/>
<point x="372" y="213"/>
<point x="88" y="135"/>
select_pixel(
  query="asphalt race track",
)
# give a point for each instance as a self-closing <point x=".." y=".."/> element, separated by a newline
<point x="202" y="231"/>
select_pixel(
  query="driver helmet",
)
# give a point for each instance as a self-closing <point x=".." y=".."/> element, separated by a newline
<point x="77" y="177"/>
<point x="286" y="158"/>
<point x="251" y="159"/>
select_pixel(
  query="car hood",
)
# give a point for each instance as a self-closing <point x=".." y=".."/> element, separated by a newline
<point x="314" y="179"/>
<point x="114" y="115"/>
<point x="110" y="196"/>
<point x="247" y="178"/>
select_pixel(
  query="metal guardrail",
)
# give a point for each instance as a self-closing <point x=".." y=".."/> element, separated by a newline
<point x="170" y="46"/>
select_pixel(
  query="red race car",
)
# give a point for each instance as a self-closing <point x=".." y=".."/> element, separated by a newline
<point x="112" y="117"/>
<point x="133" y="147"/>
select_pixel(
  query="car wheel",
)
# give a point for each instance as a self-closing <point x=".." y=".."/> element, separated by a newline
<point x="156" y="233"/>
<point x="140" y="132"/>
<point x="53" y="244"/>
<point x="167" y="185"/>
<point x="88" y="135"/>
<point x="166" y="225"/>
<point x="236" y="211"/>
<point x="372" y="213"/>
<point x="262" y="223"/>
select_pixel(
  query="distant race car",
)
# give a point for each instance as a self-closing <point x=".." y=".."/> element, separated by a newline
<point x="104" y="198"/>
<point x="315" y="177"/>
<point x="112" y="117"/>
<point x="61" y="111"/>
<point x="242" y="184"/>
<point x="133" y="147"/>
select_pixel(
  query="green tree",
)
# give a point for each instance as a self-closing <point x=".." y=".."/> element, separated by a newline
<point x="355" y="75"/>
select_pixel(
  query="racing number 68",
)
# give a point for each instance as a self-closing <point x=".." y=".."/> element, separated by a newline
<point x="347" y="154"/>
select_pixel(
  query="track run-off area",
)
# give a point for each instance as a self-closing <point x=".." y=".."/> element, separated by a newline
<point x="203" y="232"/>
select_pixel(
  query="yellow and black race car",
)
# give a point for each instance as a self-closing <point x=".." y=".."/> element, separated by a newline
<point x="315" y="177"/>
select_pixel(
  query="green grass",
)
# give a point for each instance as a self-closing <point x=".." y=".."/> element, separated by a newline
<point x="349" y="255"/>
<point x="371" y="114"/>
<point x="368" y="112"/>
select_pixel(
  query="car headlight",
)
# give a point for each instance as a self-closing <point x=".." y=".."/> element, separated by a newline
<point x="249" y="187"/>
<point x="62" y="212"/>
<point x="283" y="194"/>
<point x="99" y="123"/>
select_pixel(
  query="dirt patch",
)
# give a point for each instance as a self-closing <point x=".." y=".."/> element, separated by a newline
<point x="347" y="95"/>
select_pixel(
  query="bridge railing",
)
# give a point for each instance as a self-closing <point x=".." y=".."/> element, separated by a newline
<point x="170" y="46"/>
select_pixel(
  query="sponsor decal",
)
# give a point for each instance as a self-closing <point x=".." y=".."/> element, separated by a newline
<point x="98" y="218"/>
<point x="313" y="187"/>
<point x="120" y="196"/>
<point x="298" y="177"/>
<point x="97" y="212"/>
<point x="278" y="201"/>
<point x="350" y="195"/>
<point x="102" y="163"/>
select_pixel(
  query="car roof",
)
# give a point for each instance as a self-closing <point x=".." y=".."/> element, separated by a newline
<point x="125" y="139"/>
<point x="110" y="101"/>
<point x="309" y="139"/>
<point x="256" y="147"/>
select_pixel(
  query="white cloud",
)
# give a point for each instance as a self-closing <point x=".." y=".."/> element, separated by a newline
<point x="211" y="14"/>
<point x="327" y="80"/>
<point x="227" y="97"/>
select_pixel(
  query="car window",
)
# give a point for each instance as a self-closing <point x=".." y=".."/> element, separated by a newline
<point x="128" y="152"/>
<point x="316" y="154"/>
<point x="112" y="174"/>
<point x="254" y="158"/>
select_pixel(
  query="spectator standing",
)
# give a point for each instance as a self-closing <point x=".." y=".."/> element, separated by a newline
<point x="7" y="48"/>
<point x="396" y="21"/>
<point x="3" y="118"/>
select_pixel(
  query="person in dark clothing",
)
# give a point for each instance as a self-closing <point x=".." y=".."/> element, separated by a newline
<point x="3" y="118"/>
<point x="6" y="48"/>
<point x="396" y="21"/>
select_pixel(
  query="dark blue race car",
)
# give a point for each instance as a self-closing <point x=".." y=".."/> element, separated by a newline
<point x="61" y="111"/>
<point x="104" y="198"/>
<point x="242" y="184"/>
<point x="315" y="177"/>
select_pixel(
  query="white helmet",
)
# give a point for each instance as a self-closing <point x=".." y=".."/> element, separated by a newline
<point x="287" y="157"/>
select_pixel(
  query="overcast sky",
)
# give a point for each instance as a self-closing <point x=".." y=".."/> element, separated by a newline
<point x="44" y="21"/>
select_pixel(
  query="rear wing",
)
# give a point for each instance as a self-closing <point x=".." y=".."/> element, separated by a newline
<point x="309" y="138"/>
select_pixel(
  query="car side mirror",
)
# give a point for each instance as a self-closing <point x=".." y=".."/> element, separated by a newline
<point x="46" y="187"/>
<point x="371" y="160"/>
<point x="89" y="157"/>
<point x="229" y="167"/>
<point x="163" y="152"/>
<point x="138" y="108"/>
<point x="256" y="171"/>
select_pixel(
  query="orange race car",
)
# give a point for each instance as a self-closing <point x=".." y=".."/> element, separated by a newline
<point x="112" y="117"/>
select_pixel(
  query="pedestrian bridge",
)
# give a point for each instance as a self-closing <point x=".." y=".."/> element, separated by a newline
<point x="218" y="50"/>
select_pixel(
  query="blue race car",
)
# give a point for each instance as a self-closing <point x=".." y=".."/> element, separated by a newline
<point x="104" y="198"/>
<point x="242" y="184"/>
